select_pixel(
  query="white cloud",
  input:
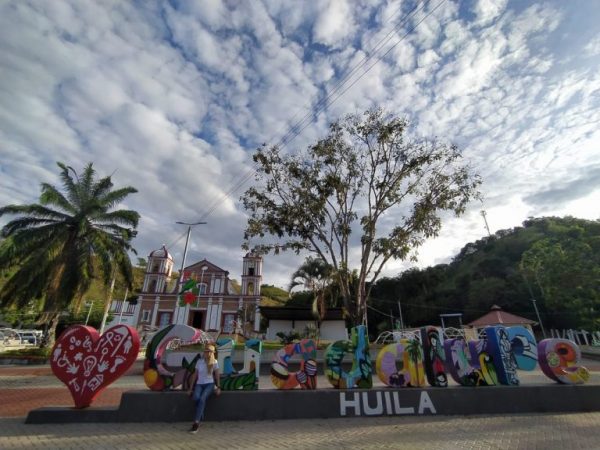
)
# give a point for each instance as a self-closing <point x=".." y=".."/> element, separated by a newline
<point x="334" y="23"/>
<point x="176" y="96"/>
<point x="488" y="10"/>
<point x="592" y="48"/>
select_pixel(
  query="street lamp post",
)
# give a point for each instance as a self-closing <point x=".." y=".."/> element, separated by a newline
<point x="123" y="305"/>
<point x="203" y="269"/>
<point x="187" y="240"/>
<point x="89" y="312"/>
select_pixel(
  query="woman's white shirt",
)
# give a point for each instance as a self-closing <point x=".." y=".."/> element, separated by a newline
<point x="202" y="370"/>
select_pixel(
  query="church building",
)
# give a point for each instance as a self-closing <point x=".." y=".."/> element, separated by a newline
<point x="203" y="298"/>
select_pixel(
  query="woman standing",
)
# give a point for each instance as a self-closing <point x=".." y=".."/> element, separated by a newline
<point x="206" y="380"/>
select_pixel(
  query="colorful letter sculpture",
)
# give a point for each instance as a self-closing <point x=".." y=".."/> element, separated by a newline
<point x="559" y="360"/>
<point x="409" y="354"/>
<point x="500" y="347"/>
<point x="523" y="346"/>
<point x="482" y="362"/>
<point x="434" y="358"/>
<point x="156" y="376"/>
<point x="306" y="377"/>
<point x="247" y="378"/>
<point x="457" y="363"/>
<point x="87" y="362"/>
<point x="360" y="374"/>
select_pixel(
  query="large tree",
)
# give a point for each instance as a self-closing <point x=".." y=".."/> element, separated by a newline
<point x="63" y="242"/>
<point x="367" y="176"/>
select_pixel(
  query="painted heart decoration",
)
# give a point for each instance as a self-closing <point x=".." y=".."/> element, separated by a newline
<point x="87" y="362"/>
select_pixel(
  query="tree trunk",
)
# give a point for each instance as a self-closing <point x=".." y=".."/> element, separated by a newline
<point x="49" y="337"/>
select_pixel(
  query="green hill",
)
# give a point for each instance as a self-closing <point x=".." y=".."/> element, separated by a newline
<point x="555" y="260"/>
<point x="273" y="296"/>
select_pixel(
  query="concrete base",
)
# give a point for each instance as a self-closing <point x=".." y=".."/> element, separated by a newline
<point x="176" y="406"/>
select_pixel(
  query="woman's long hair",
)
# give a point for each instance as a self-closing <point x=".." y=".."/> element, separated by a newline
<point x="210" y="362"/>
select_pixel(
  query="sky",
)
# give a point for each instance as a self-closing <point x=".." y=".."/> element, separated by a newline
<point x="173" y="98"/>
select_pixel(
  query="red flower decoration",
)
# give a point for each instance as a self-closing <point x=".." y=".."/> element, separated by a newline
<point x="188" y="298"/>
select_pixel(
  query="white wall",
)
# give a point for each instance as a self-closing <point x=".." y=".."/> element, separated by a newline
<point x="275" y="326"/>
<point x="331" y="330"/>
<point x="334" y="330"/>
<point x="125" y="320"/>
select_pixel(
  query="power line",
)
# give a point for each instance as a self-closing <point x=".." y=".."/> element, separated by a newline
<point x="323" y="102"/>
<point x="475" y="310"/>
<point x="370" y="67"/>
<point x="380" y="312"/>
<point x="176" y="240"/>
<point x="347" y="76"/>
<point x="320" y="106"/>
<point x="284" y="139"/>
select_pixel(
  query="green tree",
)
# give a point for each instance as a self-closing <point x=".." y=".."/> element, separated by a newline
<point x="62" y="243"/>
<point x="315" y="275"/>
<point x="349" y="182"/>
<point x="567" y="274"/>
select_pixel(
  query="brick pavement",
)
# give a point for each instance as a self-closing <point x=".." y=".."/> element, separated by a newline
<point x="23" y="388"/>
<point x="539" y="431"/>
<point x="18" y="402"/>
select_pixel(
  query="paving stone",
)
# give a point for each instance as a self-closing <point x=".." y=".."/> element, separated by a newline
<point x="579" y="431"/>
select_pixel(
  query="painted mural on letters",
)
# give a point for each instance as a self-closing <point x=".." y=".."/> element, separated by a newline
<point x="434" y="358"/>
<point x="401" y="364"/>
<point x="87" y="362"/>
<point x="245" y="379"/>
<point x="560" y="359"/>
<point x="306" y="377"/>
<point x="157" y="375"/>
<point x="360" y="375"/>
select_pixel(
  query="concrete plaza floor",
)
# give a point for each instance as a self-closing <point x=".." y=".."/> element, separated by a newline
<point x="538" y="431"/>
<point x="26" y="387"/>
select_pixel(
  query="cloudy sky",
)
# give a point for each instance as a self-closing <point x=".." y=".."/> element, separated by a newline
<point x="173" y="97"/>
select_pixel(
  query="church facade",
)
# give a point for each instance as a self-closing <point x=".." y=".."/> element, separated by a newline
<point x="204" y="297"/>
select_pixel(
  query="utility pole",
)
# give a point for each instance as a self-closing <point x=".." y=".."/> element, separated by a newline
<point x="187" y="240"/>
<point x="400" y="312"/>
<point x="533" y="300"/>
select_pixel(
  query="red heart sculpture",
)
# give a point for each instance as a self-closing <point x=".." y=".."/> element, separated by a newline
<point x="87" y="362"/>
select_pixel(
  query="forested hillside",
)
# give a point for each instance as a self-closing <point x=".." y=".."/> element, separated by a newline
<point x="555" y="260"/>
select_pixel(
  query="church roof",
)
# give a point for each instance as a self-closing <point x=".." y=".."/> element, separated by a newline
<point x="498" y="317"/>
<point x="161" y="253"/>
<point x="197" y="266"/>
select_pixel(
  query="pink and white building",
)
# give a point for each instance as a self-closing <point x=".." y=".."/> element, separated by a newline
<point x="216" y="305"/>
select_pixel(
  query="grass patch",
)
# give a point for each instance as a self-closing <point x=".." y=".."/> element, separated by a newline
<point x="27" y="353"/>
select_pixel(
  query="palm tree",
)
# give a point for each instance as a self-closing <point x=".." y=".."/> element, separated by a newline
<point x="59" y="244"/>
<point x="315" y="275"/>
